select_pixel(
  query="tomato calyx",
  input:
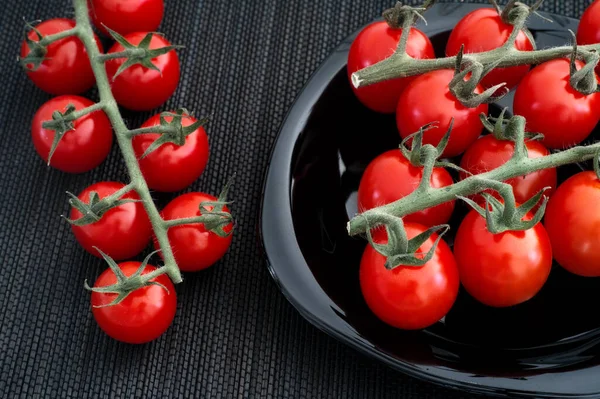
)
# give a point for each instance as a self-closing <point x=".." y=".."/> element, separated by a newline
<point x="401" y="15"/>
<point x="126" y="285"/>
<point x="37" y="50"/>
<point x="171" y="132"/>
<point x="141" y="54"/>
<point x="509" y="129"/>
<point x="583" y="80"/>
<point x="93" y="210"/>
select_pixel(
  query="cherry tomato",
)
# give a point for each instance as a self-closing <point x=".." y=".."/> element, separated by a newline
<point x="127" y="16"/>
<point x="409" y="297"/>
<point x="375" y="43"/>
<point x="171" y="167"/>
<point x="488" y="153"/>
<point x="589" y="26"/>
<point x="391" y="176"/>
<point x="143" y="315"/>
<point x="483" y="30"/>
<point x="66" y="68"/>
<point x="428" y="99"/>
<point x="194" y="247"/>
<point x="80" y="149"/>
<point x="573" y="223"/>
<point x="139" y="88"/>
<point x="552" y="107"/>
<point x="503" y="269"/>
<point x="122" y="232"/>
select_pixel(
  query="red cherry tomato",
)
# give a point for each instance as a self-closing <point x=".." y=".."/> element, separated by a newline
<point x="194" y="247"/>
<point x="139" y="88"/>
<point x="171" y="167"/>
<point x="408" y="297"/>
<point x="552" y="107"/>
<point x="127" y="16"/>
<point x="589" y="26"/>
<point x="143" y="316"/>
<point x="375" y="43"/>
<point x="66" y="68"/>
<point x="122" y="232"/>
<point x="503" y="269"/>
<point x="573" y="224"/>
<point x="80" y="149"/>
<point x="488" y="153"/>
<point x="391" y="176"/>
<point x="428" y="99"/>
<point x="483" y="30"/>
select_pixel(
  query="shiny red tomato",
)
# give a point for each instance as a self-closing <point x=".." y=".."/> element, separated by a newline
<point x="390" y="177"/>
<point x="80" y="149"/>
<point x="122" y="232"/>
<point x="409" y="297"/>
<point x="143" y="316"/>
<point x="589" y="26"/>
<point x="488" y="153"/>
<point x="483" y="30"/>
<point x="428" y="99"/>
<point x="127" y="16"/>
<point x="503" y="269"/>
<point x="552" y="107"/>
<point x="66" y="69"/>
<point x="573" y="224"/>
<point x="171" y="167"/>
<point x="375" y="43"/>
<point x="139" y="88"/>
<point x="194" y="247"/>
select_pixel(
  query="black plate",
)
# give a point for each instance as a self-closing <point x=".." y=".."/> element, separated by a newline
<point x="546" y="347"/>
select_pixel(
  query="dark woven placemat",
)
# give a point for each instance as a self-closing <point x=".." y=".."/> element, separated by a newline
<point x="234" y="335"/>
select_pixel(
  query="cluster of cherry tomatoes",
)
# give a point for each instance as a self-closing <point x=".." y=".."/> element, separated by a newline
<point x="499" y="270"/>
<point x="124" y="231"/>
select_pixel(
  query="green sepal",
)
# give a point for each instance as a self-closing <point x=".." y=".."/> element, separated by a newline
<point x="124" y="285"/>
<point x="61" y="123"/>
<point x="93" y="210"/>
<point x="37" y="51"/>
<point x="216" y="219"/>
<point x="583" y="80"/>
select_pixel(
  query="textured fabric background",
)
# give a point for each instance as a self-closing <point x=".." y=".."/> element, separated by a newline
<point x="234" y="335"/>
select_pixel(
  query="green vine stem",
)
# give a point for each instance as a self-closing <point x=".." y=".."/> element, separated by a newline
<point x="400" y="64"/>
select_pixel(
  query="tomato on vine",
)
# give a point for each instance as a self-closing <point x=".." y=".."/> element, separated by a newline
<point x="138" y="87"/>
<point x="375" y="43"/>
<point x="122" y="232"/>
<point x="573" y="223"/>
<point x="483" y="30"/>
<point x="66" y="67"/>
<point x="428" y="99"/>
<point x="79" y="150"/>
<point x="127" y="16"/>
<point x="144" y="315"/>
<point x="172" y="167"/>
<point x="489" y="153"/>
<point x="410" y="297"/>
<point x="195" y="247"/>
<point x="504" y="269"/>
<point x="391" y="176"/>
<point x="553" y="107"/>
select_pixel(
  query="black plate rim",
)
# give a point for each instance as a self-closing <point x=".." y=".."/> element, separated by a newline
<point x="280" y="249"/>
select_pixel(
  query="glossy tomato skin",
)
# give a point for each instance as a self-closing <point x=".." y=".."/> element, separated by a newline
<point x="171" y="167"/>
<point x="573" y="224"/>
<point x="488" y="153"/>
<point x="552" y="107"/>
<point x="405" y="297"/>
<point x="139" y="88"/>
<point x="81" y="149"/>
<point x="127" y="16"/>
<point x="122" y="232"/>
<point x="375" y="43"/>
<point x="428" y="99"/>
<point x="505" y="269"/>
<point x="390" y="177"/>
<point x="483" y="30"/>
<point x="143" y="316"/>
<point x="194" y="247"/>
<point x="66" y="69"/>
<point x="589" y="26"/>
